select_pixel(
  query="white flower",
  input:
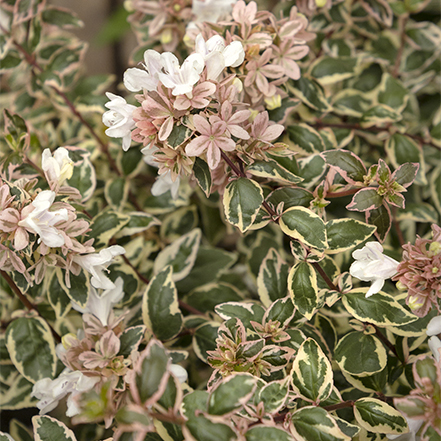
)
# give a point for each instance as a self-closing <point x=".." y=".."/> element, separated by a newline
<point x="179" y="372"/>
<point x="119" y="119"/>
<point x="96" y="263"/>
<point x="101" y="305"/>
<point x="41" y="221"/>
<point x="57" y="167"/>
<point x="180" y="78"/>
<point x="414" y="426"/>
<point x="50" y="392"/>
<point x="137" y="79"/>
<point x="163" y="182"/>
<point x="372" y="265"/>
<point x="216" y="56"/>
<point x="210" y="10"/>
<point x="435" y="347"/>
<point x="434" y="326"/>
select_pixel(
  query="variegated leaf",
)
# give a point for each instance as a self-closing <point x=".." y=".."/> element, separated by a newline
<point x="272" y="281"/>
<point x="311" y="373"/>
<point x="231" y="394"/>
<point x="314" y="423"/>
<point x="379" y="417"/>
<point x="138" y="222"/>
<point x="381" y="309"/>
<point x="344" y="234"/>
<point x="273" y="396"/>
<point x="31" y="348"/>
<point x="360" y="354"/>
<point x="303" y="289"/>
<point x="268" y="433"/>
<point x="181" y="255"/>
<point x="160" y="308"/>
<point x="330" y="70"/>
<point x="306" y="139"/>
<point x="242" y="201"/>
<point x="106" y="225"/>
<point x="302" y="224"/>
<point x="273" y="171"/>
<point x="47" y="428"/>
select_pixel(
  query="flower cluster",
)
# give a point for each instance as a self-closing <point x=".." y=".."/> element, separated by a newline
<point x="420" y="273"/>
<point x="41" y="229"/>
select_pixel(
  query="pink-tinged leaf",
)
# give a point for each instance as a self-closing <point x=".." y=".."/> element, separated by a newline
<point x="290" y="28"/>
<point x="262" y="83"/>
<point x="406" y="174"/>
<point x="109" y="344"/>
<point x="92" y="360"/>
<point x="204" y="89"/>
<point x="9" y="219"/>
<point x="292" y="69"/>
<point x="347" y="164"/>
<point x="239" y="117"/>
<point x="155" y="109"/>
<point x="272" y="132"/>
<point x="364" y="200"/>
<point x="238" y="132"/>
<point x="213" y="156"/>
<point x="262" y="39"/>
<point x="397" y="200"/>
<point x="382" y="219"/>
<point x="21" y="239"/>
<point x="226" y="144"/>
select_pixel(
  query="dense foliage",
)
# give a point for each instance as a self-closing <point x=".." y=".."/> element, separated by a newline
<point x="213" y="256"/>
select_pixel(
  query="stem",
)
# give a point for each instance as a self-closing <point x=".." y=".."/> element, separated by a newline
<point x="341" y="405"/>
<point x="324" y="276"/>
<point x="402" y="21"/>
<point x="386" y="342"/>
<point x="397" y="226"/>
<point x="341" y="194"/>
<point x="26" y="302"/>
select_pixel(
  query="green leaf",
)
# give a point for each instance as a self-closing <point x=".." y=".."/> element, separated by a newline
<point x="311" y="373"/>
<point x="31" y="348"/>
<point x="150" y="374"/>
<point x="313" y="423"/>
<point x="379" y="116"/>
<point x="329" y="70"/>
<point x="57" y="294"/>
<point x="380" y="10"/>
<point x="267" y="433"/>
<point x="272" y="281"/>
<point x="344" y="234"/>
<point x="116" y="191"/>
<point x="207" y="297"/>
<point x="273" y="171"/>
<point x="200" y="427"/>
<point x="273" y="396"/>
<point x="138" y="222"/>
<point x="381" y="218"/>
<point x="282" y="310"/>
<point x="242" y="200"/>
<point x="360" y="354"/>
<point x="60" y="17"/>
<point x="365" y="199"/>
<point x="302" y="287"/>
<point x="79" y="287"/>
<point x="106" y="225"/>
<point x="18" y="395"/>
<point x="392" y="93"/>
<point x="381" y="309"/>
<point x="178" y="135"/>
<point x="421" y="212"/>
<point x="130" y="339"/>
<point x="160" y="308"/>
<point x="47" y="428"/>
<point x="304" y="225"/>
<point x="204" y="339"/>
<point x="203" y="175"/>
<point x="181" y="255"/>
<point x="378" y="417"/>
<point x="310" y="92"/>
<point x="306" y="139"/>
<point x="231" y="394"/>
<point x="246" y="312"/>
<point x="179" y="222"/>
<point x="351" y="102"/>
<point x="83" y="177"/>
<point x="209" y="265"/>
<point x="347" y="164"/>
<point x="287" y="197"/>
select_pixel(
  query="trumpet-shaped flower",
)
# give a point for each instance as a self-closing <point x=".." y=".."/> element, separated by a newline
<point x="371" y="265"/>
<point x="57" y="167"/>
<point x="216" y="56"/>
<point x="50" y="392"/>
<point x="97" y="263"/>
<point x="100" y="305"/>
<point x="119" y="119"/>
<point x="179" y="372"/>
<point x="180" y="78"/>
<point x="210" y="10"/>
<point x="137" y="79"/>
<point x="212" y="139"/>
<point x="433" y="331"/>
<point x="41" y="221"/>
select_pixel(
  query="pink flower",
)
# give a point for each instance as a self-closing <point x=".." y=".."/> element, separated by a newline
<point x="420" y="273"/>
<point x="263" y="131"/>
<point x="213" y="139"/>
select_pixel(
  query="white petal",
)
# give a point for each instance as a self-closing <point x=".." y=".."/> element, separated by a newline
<point x="435" y="347"/>
<point x="434" y="326"/>
<point x="234" y="54"/>
<point x="375" y="287"/>
<point x="179" y="372"/>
